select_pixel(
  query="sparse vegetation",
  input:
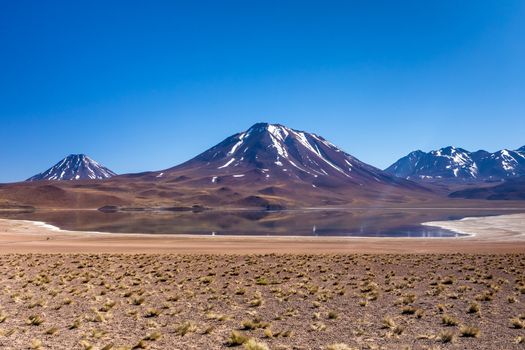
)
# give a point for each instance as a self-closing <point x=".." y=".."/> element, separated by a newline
<point x="469" y="331"/>
<point x="35" y="320"/>
<point x="446" y="336"/>
<point x="339" y="346"/>
<point x="517" y="323"/>
<point x="253" y="344"/>
<point x="449" y="320"/>
<point x="185" y="328"/>
<point x="236" y="338"/>
<point x="473" y="308"/>
<point x="257" y="302"/>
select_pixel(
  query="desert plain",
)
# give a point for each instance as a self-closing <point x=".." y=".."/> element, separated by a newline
<point x="87" y="290"/>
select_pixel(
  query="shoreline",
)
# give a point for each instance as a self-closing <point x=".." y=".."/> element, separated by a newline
<point x="509" y="227"/>
<point x="502" y="233"/>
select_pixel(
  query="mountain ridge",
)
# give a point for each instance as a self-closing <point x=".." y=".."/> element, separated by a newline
<point x="267" y="166"/>
<point x="458" y="164"/>
<point x="265" y="152"/>
<point x="74" y="167"/>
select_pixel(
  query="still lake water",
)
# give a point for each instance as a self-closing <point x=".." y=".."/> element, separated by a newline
<point x="364" y="222"/>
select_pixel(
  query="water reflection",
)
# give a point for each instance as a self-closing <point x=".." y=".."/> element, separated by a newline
<point x="360" y="222"/>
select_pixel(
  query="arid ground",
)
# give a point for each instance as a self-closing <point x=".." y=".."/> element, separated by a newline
<point x="265" y="293"/>
<point x="109" y="301"/>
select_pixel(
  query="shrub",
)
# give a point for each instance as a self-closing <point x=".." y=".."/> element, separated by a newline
<point x="339" y="346"/>
<point x="236" y="339"/>
<point x="469" y="332"/>
<point x="449" y="320"/>
<point x="185" y="328"/>
<point x="35" y="320"/>
<point x="446" y="336"/>
<point x="517" y="323"/>
<point x="473" y="308"/>
<point x="252" y="344"/>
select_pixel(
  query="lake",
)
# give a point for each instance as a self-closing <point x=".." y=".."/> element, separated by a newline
<point x="360" y="222"/>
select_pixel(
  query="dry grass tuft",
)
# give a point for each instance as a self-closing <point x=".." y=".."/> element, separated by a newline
<point x="339" y="346"/>
<point x="35" y="320"/>
<point x="447" y="336"/>
<point x="36" y="344"/>
<point x="469" y="332"/>
<point x="236" y="339"/>
<point x="517" y="323"/>
<point x="448" y="320"/>
<point x="185" y="328"/>
<point x="252" y="344"/>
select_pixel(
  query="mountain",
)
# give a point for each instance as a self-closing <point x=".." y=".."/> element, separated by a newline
<point x="267" y="153"/>
<point x="512" y="189"/>
<point x="449" y="162"/>
<point x="457" y="164"/>
<point x="268" y="166"/>
<point x="75" y="167"/>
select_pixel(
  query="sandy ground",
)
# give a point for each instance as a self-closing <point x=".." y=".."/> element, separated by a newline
<point x="504" y="234"/>
<point x="279" y="301"/>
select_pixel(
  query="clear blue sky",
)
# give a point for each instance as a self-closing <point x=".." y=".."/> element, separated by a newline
<point x="145" y="85"/>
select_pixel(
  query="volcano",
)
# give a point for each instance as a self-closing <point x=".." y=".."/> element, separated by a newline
<point x="75" y="167"/>
<point x="273" y="153"/>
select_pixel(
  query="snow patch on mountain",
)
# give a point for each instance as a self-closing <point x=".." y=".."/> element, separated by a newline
<point x="457" y="163"/>
<point x="75" y="167"/>
<point x="274" y="152"/>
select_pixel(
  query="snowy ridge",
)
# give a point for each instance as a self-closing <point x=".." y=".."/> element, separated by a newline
<point x="282" y="139"/>
<point x="75" y="167"/>
<point x="268" y="152"/>
<point x="459" y="164"/>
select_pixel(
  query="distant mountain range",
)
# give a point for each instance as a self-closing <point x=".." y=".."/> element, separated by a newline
<point x="75" y="167"/>
<point x="273" y="166"/>
<point x="457" y="164"/>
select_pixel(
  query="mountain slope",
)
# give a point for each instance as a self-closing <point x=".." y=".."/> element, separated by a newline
<point x="274" y="153"/>
<point x="457" y="164"/>
<point x="512" y="189"/>
<point x="75" y="167"/>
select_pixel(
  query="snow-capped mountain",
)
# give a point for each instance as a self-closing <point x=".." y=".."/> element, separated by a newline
<point x="75" y="167"/>
<point x="273" y="152"/>
<point x="452" y="163"/>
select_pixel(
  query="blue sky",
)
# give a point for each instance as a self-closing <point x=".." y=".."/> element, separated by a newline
<point x="145" y="85"/>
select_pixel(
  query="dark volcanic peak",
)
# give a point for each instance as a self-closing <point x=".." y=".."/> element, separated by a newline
<point x="75" y="167"/>
<point x="451" y="163"/>
<point x="267" y="152"/>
